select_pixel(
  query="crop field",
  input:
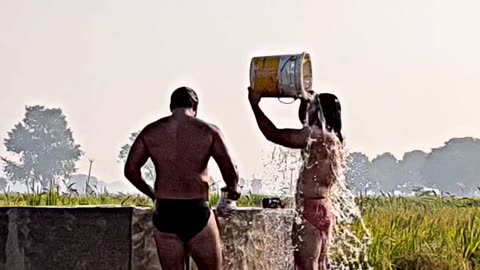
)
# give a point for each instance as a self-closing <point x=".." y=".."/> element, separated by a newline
<point x="407" y="233"/>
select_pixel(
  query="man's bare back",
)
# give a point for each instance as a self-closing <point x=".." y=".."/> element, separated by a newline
<point x="180" y="147"/>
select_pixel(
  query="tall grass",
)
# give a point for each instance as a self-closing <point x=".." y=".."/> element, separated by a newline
<point x="54" y="199"/>
<point x="252" y="200"/>
<point x="424" y="233"/>
<point x="51" y="198"/>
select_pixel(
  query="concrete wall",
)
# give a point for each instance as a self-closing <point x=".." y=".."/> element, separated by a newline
<point x="65" y="238"/>
<point x="122" y="238"/>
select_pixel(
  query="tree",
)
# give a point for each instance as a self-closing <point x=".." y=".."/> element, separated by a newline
<point x="357" y="173"/>
<point x="256" y="185"/>
<point x="410" y="169"/>
<point x="78" y="184"/>
<point x="3" y="183"/>
<point x="148" y="170"/>
<point x="44" y="146"/>
<point x="454" y="167"/>
<point x="384" y="170"/>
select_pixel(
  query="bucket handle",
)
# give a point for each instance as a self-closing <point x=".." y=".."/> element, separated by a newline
<point x="278" y="81"/>
<point x="294" y="99"/>
<point x="283" y="67"/>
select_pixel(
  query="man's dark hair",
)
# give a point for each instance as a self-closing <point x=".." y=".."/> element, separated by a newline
<point x="183" y="97"/>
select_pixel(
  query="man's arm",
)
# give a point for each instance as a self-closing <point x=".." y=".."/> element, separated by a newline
<point x="291" y="138"/>
<point x="224" y="161"/>
<point x="137" y="157"/>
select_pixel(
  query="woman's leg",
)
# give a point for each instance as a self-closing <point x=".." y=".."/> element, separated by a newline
<point x="308" y="246"/>
<point x="326" y="235"/>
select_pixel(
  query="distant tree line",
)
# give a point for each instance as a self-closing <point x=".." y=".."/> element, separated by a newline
<point x="452" y="169"/>
<point x="43" y="154"/>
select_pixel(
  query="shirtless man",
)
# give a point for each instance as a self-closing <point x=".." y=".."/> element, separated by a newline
<point x="322" y="147"/>
<point x="180" y="146"/>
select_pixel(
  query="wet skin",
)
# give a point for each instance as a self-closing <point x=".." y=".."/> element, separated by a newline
<point x="311" y="235"/>
<point x="180" y="147"/>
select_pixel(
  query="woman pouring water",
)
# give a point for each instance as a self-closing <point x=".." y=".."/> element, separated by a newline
<point x="321" y="142"/>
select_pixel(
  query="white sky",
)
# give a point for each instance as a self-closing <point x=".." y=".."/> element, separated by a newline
<point x="407" y="72"/>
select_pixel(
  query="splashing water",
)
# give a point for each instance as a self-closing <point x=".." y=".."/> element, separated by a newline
<point x="281" y="170"/>
<point x="258" y="239"/>
<point x="348" y="247"/>
<point x="350" y="237"/>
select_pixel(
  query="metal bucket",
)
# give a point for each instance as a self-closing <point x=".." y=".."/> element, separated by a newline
<point x="282" y="75"/>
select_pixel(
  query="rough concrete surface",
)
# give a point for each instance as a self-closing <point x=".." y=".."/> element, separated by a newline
<point x="90" y="238"/>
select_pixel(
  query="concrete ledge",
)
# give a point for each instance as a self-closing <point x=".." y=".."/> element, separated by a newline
<point x="65" y="238"/>
<point x="122" y="238"/>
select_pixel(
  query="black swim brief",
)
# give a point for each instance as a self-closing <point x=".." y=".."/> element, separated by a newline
<point x="185" y="218"/>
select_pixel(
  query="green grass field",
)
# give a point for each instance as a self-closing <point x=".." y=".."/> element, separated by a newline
<point x="423" y="233"/>
<point x="408" y="233"/>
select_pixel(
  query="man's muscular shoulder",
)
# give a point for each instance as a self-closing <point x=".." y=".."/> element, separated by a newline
<point x="214" y="128"/>
<point x="216" y="131"/>
<point x="206" y="126"/>
<point x="201" y="126"/>
<point x="154" y="125"/>
<point x="152" y="128"/>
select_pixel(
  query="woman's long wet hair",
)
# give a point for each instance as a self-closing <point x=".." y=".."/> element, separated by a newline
<point x="332" y="112"/>
<point x="331" y="108"/>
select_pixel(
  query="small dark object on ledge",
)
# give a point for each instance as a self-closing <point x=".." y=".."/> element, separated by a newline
<point x="272" y="203"/>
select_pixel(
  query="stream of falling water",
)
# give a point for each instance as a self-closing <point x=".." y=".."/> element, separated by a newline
<point x="350" y="239"/>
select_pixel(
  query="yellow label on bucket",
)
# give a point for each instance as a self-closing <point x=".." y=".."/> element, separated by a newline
<point x="265" y="75"/>
<point x="281" y="75"/>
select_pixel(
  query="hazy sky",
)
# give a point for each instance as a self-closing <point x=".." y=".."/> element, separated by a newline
<point x="407" y="72"/>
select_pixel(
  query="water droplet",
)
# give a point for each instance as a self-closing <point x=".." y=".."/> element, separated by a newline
<point x="298" y="220"/>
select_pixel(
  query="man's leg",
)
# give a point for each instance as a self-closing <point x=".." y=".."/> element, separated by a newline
<point x="170" y="250"/>
<point x="205" y="248"/>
